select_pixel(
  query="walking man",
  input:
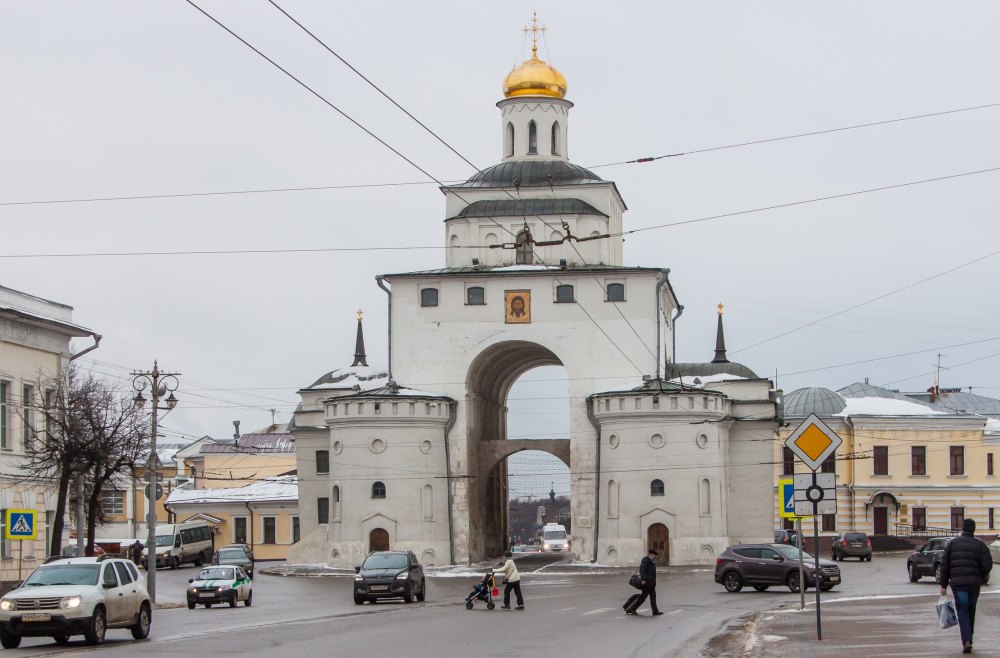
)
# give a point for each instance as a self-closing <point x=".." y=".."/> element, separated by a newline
<point x="966" y="566"/>
<point x="647" y="577"/>
<point x="512" y="580"/>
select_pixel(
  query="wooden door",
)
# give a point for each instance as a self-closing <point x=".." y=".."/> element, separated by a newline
<point x="378" y="540"/>
<point x="881" y="520"/>
<point x="658" y="539"/>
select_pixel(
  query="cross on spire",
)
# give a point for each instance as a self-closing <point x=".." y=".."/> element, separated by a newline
<point x="534" y="28"/>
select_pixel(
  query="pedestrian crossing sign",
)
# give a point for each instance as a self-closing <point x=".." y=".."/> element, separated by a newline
<point x="786" y="499"/>
<point x="20" y="524"/>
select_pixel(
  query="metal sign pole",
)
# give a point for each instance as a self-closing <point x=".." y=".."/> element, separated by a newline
<point x="819" y="576"/>
<point x="20" y="562"/>
<point x="802" y="570"/>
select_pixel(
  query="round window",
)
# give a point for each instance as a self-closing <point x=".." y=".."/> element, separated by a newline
<point x="425" y="447"/>
<point x="338" y="447"/>
<point x="378" y="445"/>
<point x="613" y="441"/>
<point x="656" y="441"/>
<point x="702" y="441"/>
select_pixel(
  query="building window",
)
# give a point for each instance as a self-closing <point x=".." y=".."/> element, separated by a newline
<point x="113" y="503"/>
<point x="829" y="464"/>
<point x="27" y="415"/>
<point x="4" y="542"/>
<point x="990" y="522"/>
<point x="532" y="138"/>
<point x="475" y="296"/>
<point x="523" y="254"/>
<point x="270" y="529"/>
<point x="555" y="138"/>
<point x="957" y="516"/>
<point x="50" y="400"/>
<point x="296" y="534"/>
<point x="957" y="454"/>
<point x="240" y="530"/>
<point x="322" y="461"/>
<point x="510" y="140"/>
<point x="5" y="415"/>
<point x="616" y="292"/>
<point x="378" y="490"/>
<point x="989" y="463"/>
<point x="919" y="518"/>
<point x="829" y="523"/>
<point x="428" y="296"/>
<point x="880" y="455"/>
<point x="322" y="510"/>
<point x="564" y="294"/>
<point x="656" y="488"/>
<point x="787" y="461"/>
<point x="787" y="524"/>
<point x="918" y="460"/>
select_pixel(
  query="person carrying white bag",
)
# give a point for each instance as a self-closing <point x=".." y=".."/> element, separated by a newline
<point x="966" y="566"/>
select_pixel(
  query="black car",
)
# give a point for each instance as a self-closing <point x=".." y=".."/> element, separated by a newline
<point x="389" y="574"/>
<point x="763" y="565"/>
<point x="789" y="537"/>
<point x="236" y="557"/>
<point x="926" y="560"/>
<point x="851" y="544"/>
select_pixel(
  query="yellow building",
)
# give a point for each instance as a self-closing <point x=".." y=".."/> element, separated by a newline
<point x="905" y="468"/>
<point x="246" y="459"/>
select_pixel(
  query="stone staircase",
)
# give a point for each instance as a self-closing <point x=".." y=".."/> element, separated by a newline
<point x="887" y="543"/>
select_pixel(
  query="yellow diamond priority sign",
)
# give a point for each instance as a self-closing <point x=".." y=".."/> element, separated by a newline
<point x="813" y="442"/>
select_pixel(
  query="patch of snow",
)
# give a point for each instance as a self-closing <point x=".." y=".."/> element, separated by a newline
<point x="993" y="425"/>
<point x="278" y="488"/>
<point x="773" y="638"/>
<point x="514" y="268"/>
<point x="699" y="381"/>
<point x="885" y="407"/>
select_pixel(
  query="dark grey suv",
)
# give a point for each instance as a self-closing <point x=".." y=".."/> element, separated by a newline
<point x="763" y="565"/>
<point x="926" y="560"/>
<point x="851" y="544"/>
<point x="389" y="574"/>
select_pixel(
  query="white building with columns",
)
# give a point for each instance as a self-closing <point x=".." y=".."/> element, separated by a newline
<point x="413" y="456"/>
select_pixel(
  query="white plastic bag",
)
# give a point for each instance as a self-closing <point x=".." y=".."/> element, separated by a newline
<point x="947" y="616"/>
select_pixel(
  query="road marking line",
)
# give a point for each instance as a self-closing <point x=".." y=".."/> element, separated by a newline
<point x="565" y="609"/>
<point x="598" y="610"/>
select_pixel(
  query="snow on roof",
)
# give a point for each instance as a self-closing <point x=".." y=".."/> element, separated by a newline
<point x="879" y="406"/>
<point x="699" y="381"/>
<point x="507" y="268"/>
<point x="364" y="376"/>
<point x="992" y="426"/>
<point x="278" y="488"/>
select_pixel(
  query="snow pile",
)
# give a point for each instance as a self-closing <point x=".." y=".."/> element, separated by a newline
<point x="278" y="488"/>
<point x="699" y="381"/>
<point x="875" y="406"/>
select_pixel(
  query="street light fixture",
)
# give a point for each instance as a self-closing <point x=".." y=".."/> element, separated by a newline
<point x="159" y="384"/>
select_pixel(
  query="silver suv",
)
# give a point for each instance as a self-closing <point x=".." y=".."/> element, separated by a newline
<point x="76" y="596"/>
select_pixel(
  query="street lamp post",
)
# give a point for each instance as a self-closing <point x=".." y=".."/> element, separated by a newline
<point x="159" y="384"/>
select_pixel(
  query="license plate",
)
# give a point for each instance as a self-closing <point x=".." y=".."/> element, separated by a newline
<point x="855" y="545"/>
<point x="36" y="616"/>
<point x="206" y="595"/>
<point x="834" y="579"/>
<point x="380" y="588"/>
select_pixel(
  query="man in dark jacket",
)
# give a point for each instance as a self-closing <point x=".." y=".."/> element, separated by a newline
<point x="966" y="566"/>
<point x="647" y="576"/>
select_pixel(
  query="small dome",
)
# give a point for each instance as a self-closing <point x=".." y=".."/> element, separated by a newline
<point x="534" y="78"/>
<point x="820" y="401"/>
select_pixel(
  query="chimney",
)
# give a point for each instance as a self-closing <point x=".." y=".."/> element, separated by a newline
<point x="236" y="431"/>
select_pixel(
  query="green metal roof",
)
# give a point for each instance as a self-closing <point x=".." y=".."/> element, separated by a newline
<point x="531" y="173"/>
<point x="527" y="208"/>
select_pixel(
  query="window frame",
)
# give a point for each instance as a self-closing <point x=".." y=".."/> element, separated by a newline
<point x="322" y="457"/>
<point x="5" y="402"/>
<point x="923" y="518"/>
<point x="430" y="290"/>
<point x="378" y="490"/>
<point x="957" y="517"/>
<point x="657" y="488"/>
<point x="237" y="539"/>
<point x="468" y="296"/>
<point x="989" y="464"/>
<point x="829" y="464"/>
<point x="921" y="452"/>
<point x="509" y="134"/>
<point x="554" y="147"/>
<point x="295" y="529"/>
<point x="27" y="415"/>
<point x="323" y="510"/>
<point x="829" y="522"/>
<point x="880" y="460"/>
<point x="787" y="461"/>
<point x="532" y="138"/>
<point x="572" y="293"/>
<point x="264" y="529"/>
<point x="956" y="460"/>
<point x="117" y="502"/>
<point x="617" y="285"/>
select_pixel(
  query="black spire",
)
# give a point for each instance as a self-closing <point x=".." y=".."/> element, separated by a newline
<point x="720" y="342"/>
<point x="360" y="358"/>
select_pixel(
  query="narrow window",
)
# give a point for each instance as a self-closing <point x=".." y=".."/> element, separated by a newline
<point x="880" y="455"/>
<point x="616" y="292"/>
<point x="322" y="513"/>
<point x="27" y="415"/>
<point x="532" y="138"/>
<point x="50" y="398"/>
<point x="296" y="532"/>
<point x="656" y="488"/>
<point x="475" y="296"/>
<point x="989" y="463"/>
<point x="5" y="415"/>
<point x="957" y="516"/>
<point x="704" y="497"/>
<point x="322" y="461"/>
<point x="957" y="454"/>
<point x="787" y="461"/>
<point x="918" y="460"/>
<point x="564" y="294"/>
<point x="523" y="254"/>
<point x="336" y="502"/>
<point x="378" y="490"/>
<point x="429" y="297"/>
<point x="829" y="464"/>
<point x="829" y="523"/>
<point x="510" y="140"/>
<point x="990" y="520"/>
<point x="919" y="518"/>
<point x="270" y="530"/>
<point x="240" y="530"/>
<point x="555" y="138"/>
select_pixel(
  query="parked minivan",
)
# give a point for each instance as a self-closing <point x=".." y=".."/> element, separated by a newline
<point x="177" y="543"/>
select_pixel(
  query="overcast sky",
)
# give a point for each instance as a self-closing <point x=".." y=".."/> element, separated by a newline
<point x="107" y="99"/>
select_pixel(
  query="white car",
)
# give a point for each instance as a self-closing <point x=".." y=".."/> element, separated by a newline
<point x="220" y="584"/>
<point x="76" y="596"/>
<point x="995" y="550"/>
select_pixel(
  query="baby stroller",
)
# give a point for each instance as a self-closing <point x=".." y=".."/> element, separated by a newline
<point x="485" y="591"/>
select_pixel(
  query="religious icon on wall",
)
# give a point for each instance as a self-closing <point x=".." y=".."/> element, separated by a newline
<point x="517" y="306"/>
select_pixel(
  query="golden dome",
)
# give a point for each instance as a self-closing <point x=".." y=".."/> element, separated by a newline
<point x="534" y="78"/>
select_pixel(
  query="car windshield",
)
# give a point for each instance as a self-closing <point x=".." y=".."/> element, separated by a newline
<point x="555" y="534"/>
<point x="385" y="561"/>
<point x="232" y="554"/>
<point x="217" y="573"/>
<point x="791" y="552"/>
<point x="64" y="574"/>
<point x="165" y="540"/>
<point x="855" y="536"/>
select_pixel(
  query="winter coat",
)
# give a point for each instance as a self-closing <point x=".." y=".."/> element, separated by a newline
<point x="647" y="571"/>
<point x="509" y="571"/>
<point x="967" y="562"/>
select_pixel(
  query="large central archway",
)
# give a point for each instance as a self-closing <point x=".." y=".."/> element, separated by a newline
<point x="490" y="379"/>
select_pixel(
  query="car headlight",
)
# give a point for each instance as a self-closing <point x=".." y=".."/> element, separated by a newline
<point x="70" y="602"/>
<point x="219" y="589"/>
<point x="402" y="576"/>
<point x="359" y="579"/>
<point x="192" y="590"/>
<point x="6" y="604"/>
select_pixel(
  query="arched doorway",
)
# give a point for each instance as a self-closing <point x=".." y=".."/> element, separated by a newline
<point x="378" y="540"/>
<point x="658" y="539"/>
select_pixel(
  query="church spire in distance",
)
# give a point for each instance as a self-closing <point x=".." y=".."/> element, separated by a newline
<point x="720" y="341"/>
<point x="360" y="358"/>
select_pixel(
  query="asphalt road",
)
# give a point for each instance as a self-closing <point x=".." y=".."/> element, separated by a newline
<point x="567" y="614"/>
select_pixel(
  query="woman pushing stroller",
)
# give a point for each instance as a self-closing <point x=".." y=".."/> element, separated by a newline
<point x="512" y="581"/>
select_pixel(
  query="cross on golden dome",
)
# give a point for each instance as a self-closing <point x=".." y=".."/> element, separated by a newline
<point x="360" y="313"/>
<point x="533" y="77"/>
<point x="534" y="28"/>
<point x="720" y="307"/>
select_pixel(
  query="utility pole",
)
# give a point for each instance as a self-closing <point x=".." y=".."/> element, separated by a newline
<point x="159" y="383"/>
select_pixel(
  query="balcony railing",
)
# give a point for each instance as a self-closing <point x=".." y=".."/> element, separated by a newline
<point x="906" y="530"/>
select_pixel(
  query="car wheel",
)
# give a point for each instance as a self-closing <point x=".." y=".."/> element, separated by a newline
<point x="197" y="562"/>
<point x="732" y="581"/>
<point x="61" y="639"/>
<point x="408" y="595"/>
<point x="833" y="556"/>
<point x="190" y="605"/>
<point x="911" y="571"/>
<point x="175" y="562"/>
<point x="249" y="600"/>
<point x="793" y="582"/>
<point x="423" y="591"/>
<point x="9" y="640"/>
<point x="98" y="627"/>
<point x="359" y="600"/>
<point x="826" y="588"/>
<point x="140" y="630"/>
<point x="208" y="605"/>
<point x="761" y="588"/>
<point x="232" y="599"/>
<point x="937" y="573"/>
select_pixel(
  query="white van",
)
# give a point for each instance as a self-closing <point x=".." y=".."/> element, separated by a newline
<point x="177" y="543"/>
<point x="554" y="538"/>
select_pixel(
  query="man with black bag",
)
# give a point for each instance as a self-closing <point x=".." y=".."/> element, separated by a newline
<point x="966" y="567"/>
<point x="647" y="582"/>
